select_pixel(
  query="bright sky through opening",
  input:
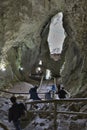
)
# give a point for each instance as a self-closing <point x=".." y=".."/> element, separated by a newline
<point x="56" y="34"/>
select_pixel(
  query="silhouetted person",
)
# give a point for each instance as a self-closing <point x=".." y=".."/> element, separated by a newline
<point x="58" y="88"/>
<point x="33" y="93"/>
<point x="34" y="96"/>
<point x="15" y="112"/>
<point x="62" y="93"/>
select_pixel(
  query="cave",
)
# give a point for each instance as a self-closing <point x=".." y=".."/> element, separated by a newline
<point x="26" y="38"/>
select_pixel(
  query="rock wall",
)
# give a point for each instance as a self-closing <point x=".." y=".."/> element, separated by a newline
<point x="21" y="44"/>
<point x="74" y="74"/>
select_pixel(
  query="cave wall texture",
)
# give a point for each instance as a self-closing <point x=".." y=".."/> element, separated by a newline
<point x="24" y="27"/>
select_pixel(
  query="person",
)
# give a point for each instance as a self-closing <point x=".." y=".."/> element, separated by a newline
<point x="48" y="95"/>
<point x="34" y="96"/>
<point x="58" y="87"/>
<point x="62" y="93"/>
<point x="57" y="90"/>
<point x="33" y="93"/>
<point x="15" y="112"/>
<point x="53" y="91"/>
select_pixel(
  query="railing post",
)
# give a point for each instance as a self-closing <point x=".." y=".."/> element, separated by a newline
<point x="55" y="115"/>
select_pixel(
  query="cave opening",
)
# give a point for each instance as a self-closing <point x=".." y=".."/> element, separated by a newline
<point x="56" y="36"/>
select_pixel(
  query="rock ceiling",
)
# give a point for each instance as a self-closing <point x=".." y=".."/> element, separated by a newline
<point x="24" y="27"/>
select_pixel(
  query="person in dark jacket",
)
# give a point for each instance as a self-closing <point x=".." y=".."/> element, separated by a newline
<point x="34" y="96"/>
<point x="33" y="93"/>
<point x="14" y="113"/>
<point x="62" y="93"/>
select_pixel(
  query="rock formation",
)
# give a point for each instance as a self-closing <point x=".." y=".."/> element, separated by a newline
<point x="23" y="41"/>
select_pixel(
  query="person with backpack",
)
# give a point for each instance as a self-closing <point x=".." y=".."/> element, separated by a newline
<point x="34" y="96"/>
<point x="15" y="112"/>
<point x="62" y="93"/>
<point x="33" y="93"/>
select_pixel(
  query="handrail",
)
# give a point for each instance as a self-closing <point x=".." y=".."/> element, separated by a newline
<point x="61" y="112"/>
<point x="58" y="100"/>
<point x="15" y="92"/>
<point x="55" y="107"/>
<point x="41" y="82"/>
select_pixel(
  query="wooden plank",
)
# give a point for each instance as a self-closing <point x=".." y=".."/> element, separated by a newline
<point x="59" y="101"/>
<point x="59" y="112"/>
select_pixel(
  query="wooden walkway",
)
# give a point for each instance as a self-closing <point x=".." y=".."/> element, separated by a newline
<point x="55" y="103"/>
